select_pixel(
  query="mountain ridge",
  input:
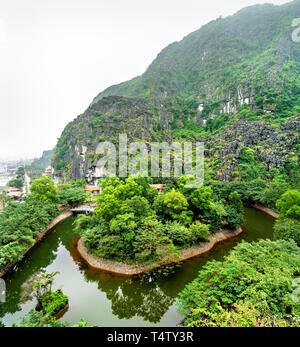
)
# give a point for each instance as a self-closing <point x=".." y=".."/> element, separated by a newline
<point x="241" y="33"/>
<point x="243" y="68"/>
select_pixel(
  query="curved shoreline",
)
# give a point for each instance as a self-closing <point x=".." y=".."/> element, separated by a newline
<point x="267" y="211"/>
<point x="124" y="269"/>
<point x="185" y="254"/>
<point x="61" y="217"/>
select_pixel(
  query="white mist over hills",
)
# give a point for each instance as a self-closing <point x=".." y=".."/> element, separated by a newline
<point x="57" y="56"/>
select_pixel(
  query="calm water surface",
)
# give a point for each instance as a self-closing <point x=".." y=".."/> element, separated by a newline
<point x="108" y="300"/>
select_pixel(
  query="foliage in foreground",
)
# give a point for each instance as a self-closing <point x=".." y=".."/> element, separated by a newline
<point x="287" y="225"/>
<point x="40" y="320"/>
<point x="49" y="303"/>
<point x="255" y="278"/>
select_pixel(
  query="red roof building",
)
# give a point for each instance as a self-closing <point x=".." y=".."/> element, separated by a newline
<point x="96" y="190"/>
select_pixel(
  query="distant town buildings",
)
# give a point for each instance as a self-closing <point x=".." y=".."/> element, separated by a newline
<point x="12" y="172"/>
<point x="3" y="169"/>
<point x="8" y="171"/>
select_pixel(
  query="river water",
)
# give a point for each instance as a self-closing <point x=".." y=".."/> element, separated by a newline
<point x="105" y="299"/>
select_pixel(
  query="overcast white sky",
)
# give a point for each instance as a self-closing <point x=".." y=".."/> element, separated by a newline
<point x="57" y="55"/>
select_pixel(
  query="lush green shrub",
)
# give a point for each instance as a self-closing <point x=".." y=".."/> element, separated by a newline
<point x="110" y="246"/>
<point x="52" y="302"/>
<point x="201" y="199"/>
<point x="178" y="233"/>
<point x="92" y="236"/>
<point x="216" y="215"/>
<point x="272" y="193"/>
<point x="16" y="183"/>
<point x="289" y="205"/>
<point x="19" y="224"/>
<point x="71" y="196"/>
<point x="236" y="201"/>
<point x="243" y="314"/>
<point x="287" y="229"/>
<point x="217" y="284"/>
<point x="200" y="231"/>
<point x="176" y="207"/>
<point x="151" y="239"/>
<point x="43" y="190"/>
<point x="261" y="272"/>
<point x="249" y="168"/>
<point x="233" y="217"/>
<point x="139" y="206"/>
<point x="35" y="319"/>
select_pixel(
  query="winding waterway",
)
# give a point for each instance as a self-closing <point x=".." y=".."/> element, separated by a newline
<point x="105" y="299"/>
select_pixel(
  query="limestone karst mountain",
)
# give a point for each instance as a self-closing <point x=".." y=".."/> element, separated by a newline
<point x="239" y="72"/>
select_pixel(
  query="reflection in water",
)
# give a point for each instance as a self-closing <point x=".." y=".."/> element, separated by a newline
<point x="140" y="296"/>
<point x="105" y="299"/>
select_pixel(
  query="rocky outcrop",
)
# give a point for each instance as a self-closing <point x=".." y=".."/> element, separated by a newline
<point x="274" y="146"/>
<point x="247" y="63"/>
<point x="75" y="154"/>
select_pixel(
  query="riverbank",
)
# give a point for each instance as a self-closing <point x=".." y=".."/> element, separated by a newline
<point x="88" y="288"/>
<point x="124" y="269"/>
<point x="267" y="211"/>
<point x="61" y="217"/>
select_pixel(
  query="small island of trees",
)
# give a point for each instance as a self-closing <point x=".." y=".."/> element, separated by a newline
<point x="133" y="223"/>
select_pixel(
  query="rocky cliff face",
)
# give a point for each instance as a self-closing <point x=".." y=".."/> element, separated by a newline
<point x="75" y="155"/>
<point x="233" y="83"/>
<point x="274" y="146"/>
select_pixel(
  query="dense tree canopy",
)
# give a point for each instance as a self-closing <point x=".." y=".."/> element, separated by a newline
<point x="43" y="190"/>
<point x="133" y="222"/>
<point x="261" y="273"/>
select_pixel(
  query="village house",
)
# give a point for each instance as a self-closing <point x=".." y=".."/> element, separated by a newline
<point x="95" y="190"/>
<point x="15" y="193"/>
<point x="159" y="187"/>
<point x="12" y="171"/>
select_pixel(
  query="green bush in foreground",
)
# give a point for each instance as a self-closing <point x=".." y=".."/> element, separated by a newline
<point x="289" y="205"/>
<point x="261" y="273"/>
<point x="35" y="319"/>
<point x="49" y="303"/>
<point x="52" y="302"/>
<point x="287" y="229"/>
<point x="287" y="226"/>
<point x="39" y="319"/>
<point x="243" y="314"/>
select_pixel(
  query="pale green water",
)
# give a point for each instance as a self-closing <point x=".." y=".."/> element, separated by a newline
<point x="108" y="300"/>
